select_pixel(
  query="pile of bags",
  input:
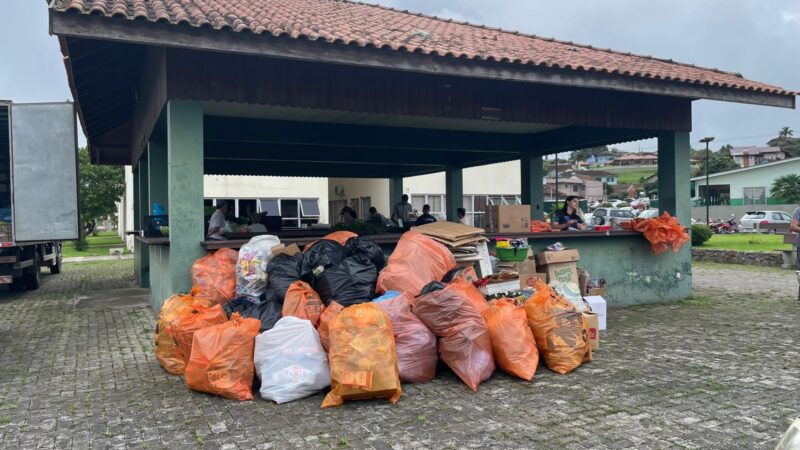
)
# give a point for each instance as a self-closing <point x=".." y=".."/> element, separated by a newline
<point x="663" y="233"/>
<point x="301" y="322"/>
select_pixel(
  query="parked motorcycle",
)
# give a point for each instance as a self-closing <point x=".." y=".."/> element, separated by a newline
<point x="727" y="227"/>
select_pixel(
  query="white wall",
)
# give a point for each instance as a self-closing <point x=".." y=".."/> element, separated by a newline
<point x="125" y="210"/>
<point x="502" y="178"/>
<point x="219" y="186"/>
<point x="375" y="188"/>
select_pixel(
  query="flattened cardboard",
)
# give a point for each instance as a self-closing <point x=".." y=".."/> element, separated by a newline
<point x="449" y="231"/>
<point x="290" y="250"/>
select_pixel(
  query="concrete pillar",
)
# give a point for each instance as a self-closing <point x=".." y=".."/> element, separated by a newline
<point x="157" y="174"/>
<point x="454" y="190"/>
<point x="674" y="174"/>
<point x="531" y="187"/>
<point x="395" y="192"/>
<point x="141" y="252"/>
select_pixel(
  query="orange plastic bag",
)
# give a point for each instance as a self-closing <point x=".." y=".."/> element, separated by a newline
<point x="415" y="343"/>
<point x="363" y="359"/>
<point x="416" y="261"/>
<point x="663" y="233"/>
<point x="222" y="359"/>
<point x="464" y="342"/>
<point x="512" y="340"/>
<point x="473" y="294"/>
<point x="183" y="328"/>
<point x="330" y="312"/>
<point x="339" y="236"/>
<point x="167" y="352"/>
<point x="467" y="275"/>
<point x="214" y="275"/>
<point x="303" y="302"/>
<point x="559" y="329"/>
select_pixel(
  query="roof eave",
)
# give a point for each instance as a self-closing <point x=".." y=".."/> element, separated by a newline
<point x="188" y="37"/>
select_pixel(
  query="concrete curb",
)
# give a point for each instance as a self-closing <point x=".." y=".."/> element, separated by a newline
<point x="96" y="258"/>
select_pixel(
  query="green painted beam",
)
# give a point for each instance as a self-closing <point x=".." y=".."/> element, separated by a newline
<point x="531" y="184"/>
<point x="454" y="191"/>
<point x="674" y="174"/>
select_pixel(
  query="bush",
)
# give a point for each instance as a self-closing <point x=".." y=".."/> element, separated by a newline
<point x="81" y="244"/>
<point x="700" y="234"/>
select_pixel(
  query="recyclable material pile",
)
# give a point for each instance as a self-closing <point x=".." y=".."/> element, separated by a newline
<point x="340" y="317"/>
<point x="664" y="233"/>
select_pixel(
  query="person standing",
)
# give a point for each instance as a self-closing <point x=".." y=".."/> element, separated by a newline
<point x="402" y="212"/>
<point x="426" y="216"/>
<point x="217" y="222"/>
<point x="794" y="227"/>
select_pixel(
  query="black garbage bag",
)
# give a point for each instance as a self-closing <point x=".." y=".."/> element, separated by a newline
<point x="268" y="311"/>
<point x="451" y="274"/>
<point x="325" y="253"/>
<point x="432" y="286"/>
<point x="282" y="271"/>
<point x="366" y="246"/>
<point x="351" y="282"/>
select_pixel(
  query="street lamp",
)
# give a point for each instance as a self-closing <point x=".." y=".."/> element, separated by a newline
<point x="708" y="189"/>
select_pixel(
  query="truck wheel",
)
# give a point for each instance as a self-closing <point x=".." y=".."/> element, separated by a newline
<point x="55" y="269"/>
<point x="31" y="279"/>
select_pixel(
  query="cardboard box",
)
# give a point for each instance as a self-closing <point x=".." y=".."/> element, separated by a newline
<point x="583" y="280"/>
<point x="497" y="288"/>
<point x="508" y="218"/>
<point x="561" y="256"/>
<point x="281" y="249"/>
<point x="564" y="272"/>
<point x="528" y="280"/>
<point x="598" y="305"/>
<point x="592" y="323"/>
<point x="597" y="291"/>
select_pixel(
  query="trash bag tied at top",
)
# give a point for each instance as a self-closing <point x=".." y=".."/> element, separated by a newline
<point x="464" y="341"/>
<point x="303" y="302"/>
<point x="559" y="329"/>
<point x="362" y="356"/>
<point x="416" y="261"/>
<point x="166" y="350"/>
<point x="417" y="353"/>
<point x="350" y="282"/>
<point x="182" y="328"/>
<point x="222" y="359"/>
<point x="214" y="275"/>
<point x="513" y="345"/>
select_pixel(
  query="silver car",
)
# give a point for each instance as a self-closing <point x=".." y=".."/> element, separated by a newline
<point x="604" y="216"/>
<point x="765" y="221"/>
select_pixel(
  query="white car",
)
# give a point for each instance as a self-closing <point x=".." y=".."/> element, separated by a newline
<point x="648" y="214"/>
<point x="767" y="221"/>
<point x="602" y="216"/>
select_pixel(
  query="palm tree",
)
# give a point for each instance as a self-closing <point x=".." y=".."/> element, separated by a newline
<point x="786" y="132"/>
<point x="787" y="188"/>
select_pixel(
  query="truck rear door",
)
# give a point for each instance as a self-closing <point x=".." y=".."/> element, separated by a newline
<point x="44" y="172"/>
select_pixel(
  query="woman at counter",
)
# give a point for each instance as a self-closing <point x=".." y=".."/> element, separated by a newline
<point x="569" y="217"/>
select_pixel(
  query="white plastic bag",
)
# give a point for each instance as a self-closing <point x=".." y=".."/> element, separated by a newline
<point x="571" y="292"/>
<point x="251" y="267"/>
<point x="290" y="361"/>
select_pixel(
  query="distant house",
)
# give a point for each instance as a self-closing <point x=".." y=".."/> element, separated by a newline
<point x="753" y="156"/>
<point x="636" y="159"/>
<point x="600" y="175"/>
<point x="745" y="186"/>
<point x="594" y="189"/>
<point x="599" y="160"/>
<point x="570" y="185"/>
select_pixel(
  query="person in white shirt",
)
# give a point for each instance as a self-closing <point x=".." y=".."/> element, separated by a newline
<point x="462" y="216"/>
<point x="217" y="222"/>
<point x="255" y="224"/>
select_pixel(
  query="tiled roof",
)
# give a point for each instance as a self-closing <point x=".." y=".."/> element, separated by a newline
<point x="739" y="151"/>
<point x="350" y="23"/>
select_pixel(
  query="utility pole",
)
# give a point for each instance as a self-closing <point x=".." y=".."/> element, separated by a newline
<point x="708" y="189"/>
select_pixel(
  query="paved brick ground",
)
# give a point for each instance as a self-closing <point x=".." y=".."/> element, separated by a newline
<point x="719" y="371"/>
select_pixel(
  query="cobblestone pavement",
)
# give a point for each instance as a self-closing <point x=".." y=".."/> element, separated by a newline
<point x="718" y="371"/>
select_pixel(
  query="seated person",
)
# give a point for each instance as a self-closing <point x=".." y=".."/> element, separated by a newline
<point x="349" y="215"/>
<point x="426" y="216"/>
<point x="569" y="216"/>
<point x="376" y="218"/>
<point x="217" y="223"/>
<point x="255" y="224"/>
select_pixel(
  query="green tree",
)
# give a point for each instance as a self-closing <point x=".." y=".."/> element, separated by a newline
<point x="787" y="188"/>
<point x="100" y="189"/>
<point x="786" y="132"/>
<point x="786" y="142"/>
<point x="717" y="162"/>
<point x="583" y="154"/>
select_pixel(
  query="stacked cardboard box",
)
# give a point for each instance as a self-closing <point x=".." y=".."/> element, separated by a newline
<point x="508" y="218"/>
<point x="560" y="265"/>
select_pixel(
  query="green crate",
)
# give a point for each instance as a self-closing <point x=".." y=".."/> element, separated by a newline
<point x="512" y="254"/>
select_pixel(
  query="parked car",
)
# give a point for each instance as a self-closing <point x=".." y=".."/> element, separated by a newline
<point x="648" y="214"/>
<point x="767" y="221"/>
<point x="603" y="216"/>
<point x="641" y="203"/>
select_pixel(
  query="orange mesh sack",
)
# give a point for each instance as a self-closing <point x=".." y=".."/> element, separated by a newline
<point x="464" y="342"/>
<point x="512" y="340"/>
<point x="331" y="311"/>
<point x="183" y="328"/>
<point x="302" y="302"/>
<point x="214" y="275"/>
<point x="166" y="350"/>
<point x="416" y="261"/>
<point x="415" y="343"/>
<point x="559" y="329"/>
<point x="663" y="233"/>
<point x="363" y="359"/>
<point x="222" y="359"/>
<point x="473" y="294"/>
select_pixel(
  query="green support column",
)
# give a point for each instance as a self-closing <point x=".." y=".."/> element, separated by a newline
<point x="454" y="190"/>
<point x="673" y="175"/>
<point x="157" y="161"/>
<point x="185" y="175"/>
<point x="532" y="189"/>
<point x="141" y="200"/>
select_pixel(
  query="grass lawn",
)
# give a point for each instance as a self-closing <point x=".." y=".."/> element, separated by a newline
<point x="631" y="175"/>
<point x="747" y="242"/>
<point x="98" y="245"/>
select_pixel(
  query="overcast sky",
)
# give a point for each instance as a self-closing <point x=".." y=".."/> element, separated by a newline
<point x="758" y="38"/>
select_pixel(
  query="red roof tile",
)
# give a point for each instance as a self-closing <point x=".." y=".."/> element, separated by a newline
<point x="350" y="23"/>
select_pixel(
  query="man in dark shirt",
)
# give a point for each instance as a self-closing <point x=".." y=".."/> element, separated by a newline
<point x="426" y="216"/>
